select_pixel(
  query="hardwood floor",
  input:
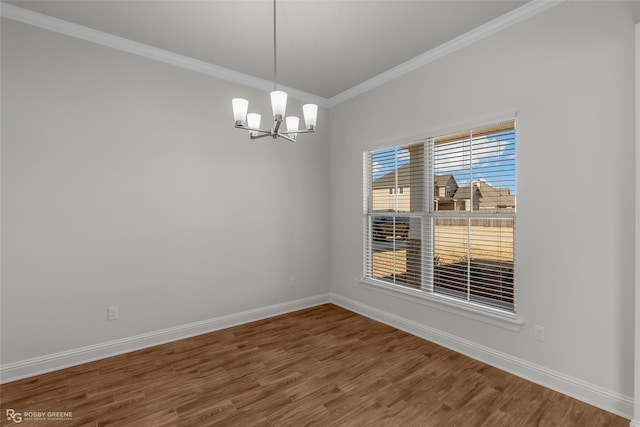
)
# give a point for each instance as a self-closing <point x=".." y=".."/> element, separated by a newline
<point x="320" y="366"/>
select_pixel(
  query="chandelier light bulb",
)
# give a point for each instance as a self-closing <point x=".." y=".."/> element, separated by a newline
<point x="240" y="107"/>
<point x="292" y="123"/>
<point x="310" y="112"/>
<point x="278" y="104"/>
<point x="253" y="122"/>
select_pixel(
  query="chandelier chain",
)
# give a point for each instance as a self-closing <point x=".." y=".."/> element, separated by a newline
<point x="275" y="70"/>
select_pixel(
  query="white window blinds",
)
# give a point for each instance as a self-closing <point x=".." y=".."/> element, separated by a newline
<point x="450" y="231"/>
<point x="394" y="218"/>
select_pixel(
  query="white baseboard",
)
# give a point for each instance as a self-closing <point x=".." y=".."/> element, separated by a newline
<point x="579" y="389"/>
<point x="592" y="394"/>
<point x="635" y="423"/>
<point x="52" y="362"/>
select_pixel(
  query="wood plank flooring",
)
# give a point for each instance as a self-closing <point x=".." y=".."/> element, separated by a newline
<point x="320" y="366"/>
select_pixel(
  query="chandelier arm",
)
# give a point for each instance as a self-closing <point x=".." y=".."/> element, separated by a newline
<point x="237" y="126"/>
<point x="274" y="133"/>
<point x="287" y="132"/>
<point x="262" y="135"/>
<point x="288" y="138"/>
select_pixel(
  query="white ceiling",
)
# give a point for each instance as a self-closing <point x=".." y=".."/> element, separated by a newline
<point x="324" y="47"/>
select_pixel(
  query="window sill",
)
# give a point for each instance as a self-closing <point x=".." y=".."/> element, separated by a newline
<point x="450" y="305"/>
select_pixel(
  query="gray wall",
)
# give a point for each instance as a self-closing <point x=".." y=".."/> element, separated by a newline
<point x="569" y="75"/>
<point x="124" y="183"/>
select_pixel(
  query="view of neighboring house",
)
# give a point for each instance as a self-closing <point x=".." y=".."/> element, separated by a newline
<point x="447" y="195"/>
<point x="485" y="196"/>
<point x="390" y="185"/>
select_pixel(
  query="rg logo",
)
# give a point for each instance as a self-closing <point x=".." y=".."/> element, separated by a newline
<point x="14" y="416"/>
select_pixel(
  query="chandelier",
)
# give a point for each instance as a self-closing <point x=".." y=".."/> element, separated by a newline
<point x="251" y="121"/>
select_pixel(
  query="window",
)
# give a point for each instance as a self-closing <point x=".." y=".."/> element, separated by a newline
<point x="451" y="231"/>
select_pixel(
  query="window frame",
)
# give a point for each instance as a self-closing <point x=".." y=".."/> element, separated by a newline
<point x="501" y="317"/>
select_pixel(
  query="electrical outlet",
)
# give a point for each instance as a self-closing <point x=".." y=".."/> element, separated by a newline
<point x="112" y="313"/>
<point x="539" y="332"/>
<point x="292" y="281"/>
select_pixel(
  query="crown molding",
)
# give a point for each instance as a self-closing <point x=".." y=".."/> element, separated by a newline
<point x="105" y="39"/>
<point x="61" y="26"/>
<point x="526" y="11"/>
